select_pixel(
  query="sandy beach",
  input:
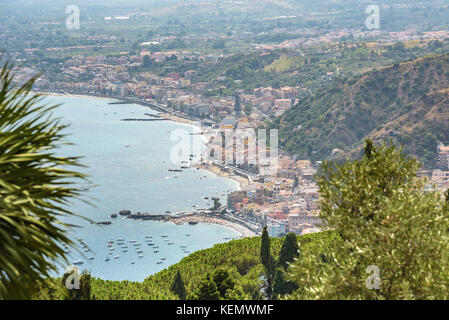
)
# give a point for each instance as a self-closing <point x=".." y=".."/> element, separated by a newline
<point x="243" y="231"/>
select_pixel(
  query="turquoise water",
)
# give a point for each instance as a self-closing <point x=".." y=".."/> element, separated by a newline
<point x="128" y="163"/>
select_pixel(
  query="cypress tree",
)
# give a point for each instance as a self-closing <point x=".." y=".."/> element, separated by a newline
<point x="265" y="248"/>
<point x="267" y="262"/>
<point x="85" y="278"/>
<point x="289" y="251"/>
<point x="369" y="148"/>
<point x="177" y="286"/>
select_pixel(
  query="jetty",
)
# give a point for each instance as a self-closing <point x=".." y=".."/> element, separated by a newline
<point x="136" y="119"/>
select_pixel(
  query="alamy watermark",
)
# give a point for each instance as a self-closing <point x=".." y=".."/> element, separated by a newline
<point x="373" y="20"/>
<point x="373" y="280"/>
<point x="240" y="147"/>
<point x="73" y="279"/>
<point x="73" y="20"/>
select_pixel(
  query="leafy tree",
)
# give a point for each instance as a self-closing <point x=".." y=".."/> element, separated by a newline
<point x="289" y="251"/>
<point x="206" y="291"/>
<point x="223" y="280"/>
<point x="393" y="233"/>
<point x="35" y="188"/>
<point x="219" y="285"/>
<point x="177" y="286"/>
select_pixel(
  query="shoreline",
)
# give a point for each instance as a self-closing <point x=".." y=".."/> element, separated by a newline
<point x="244" y="232"/>
<point x="169" y="116"/>
<point x="242" y="182"/>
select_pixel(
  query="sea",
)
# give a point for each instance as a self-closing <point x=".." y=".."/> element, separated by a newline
<point x="127" y="163"/>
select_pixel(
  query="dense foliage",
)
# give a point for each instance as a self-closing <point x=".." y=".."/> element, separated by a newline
<point x="232" y="269"/>
<point x="393" y="233"/>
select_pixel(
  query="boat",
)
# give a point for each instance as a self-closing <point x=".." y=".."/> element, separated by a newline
<point x="132" y="241"/>
<point x="120" y="239"/>
<point x="170" y="242"/>
<point x="156" y="251"/>
<point x="136" y="244"/>
<point x="91" y="258"/>
<point x="125" y="250"/>
<point x="193" y="222"/>
<point x="132" y="262"/>
<point x="116" y="257"/>
<point x="139" y="251"/>
<point x="188" y="235"/>
<point x="140" y="255"/>
<point x="164" y="236"/>
<point x="159" y="262"/>
<point x="124" y="247"/>
<point x="111" y="249"/>
<point x="163" y="258"/>
<point x="79" y="261"/>
<point x="150" y="243"/>
<point x="106" y="259"/>
<point x="148" y="237"/>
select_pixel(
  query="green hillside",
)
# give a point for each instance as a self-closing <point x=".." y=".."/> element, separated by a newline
<point x="240" y="257"/>
<point x="406" y="102"/>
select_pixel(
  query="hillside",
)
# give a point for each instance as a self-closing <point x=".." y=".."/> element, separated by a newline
<point x="406" y="102"/>
<point x="241" y="257"/>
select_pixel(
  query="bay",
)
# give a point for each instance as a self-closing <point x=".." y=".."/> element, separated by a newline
<point x="128" y="162"/>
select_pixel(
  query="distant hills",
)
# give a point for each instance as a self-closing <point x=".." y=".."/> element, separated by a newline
<point x="406" y="102"/>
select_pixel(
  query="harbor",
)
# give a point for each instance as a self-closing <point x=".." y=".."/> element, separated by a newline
<point x="128" y="165"/>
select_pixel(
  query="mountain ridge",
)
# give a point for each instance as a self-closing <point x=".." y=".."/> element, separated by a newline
<point x="407" y="102"/>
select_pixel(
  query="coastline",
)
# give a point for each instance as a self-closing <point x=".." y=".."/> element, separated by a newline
<point x="242" y="182"/>
<point x="167" y="115"/>
<point x="241" y="230"/>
